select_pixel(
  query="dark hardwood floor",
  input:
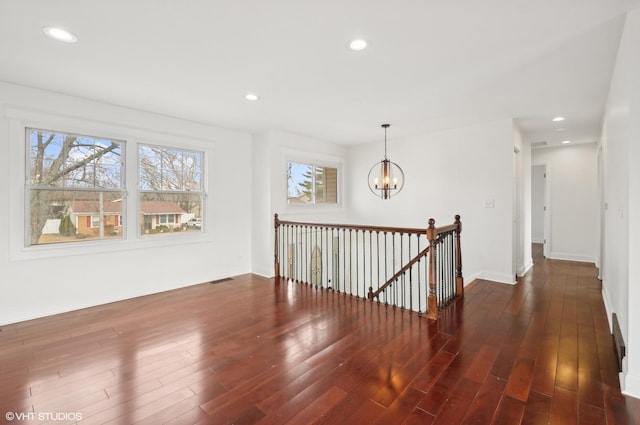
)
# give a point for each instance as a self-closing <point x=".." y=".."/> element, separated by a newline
<point x="251" y="350"/>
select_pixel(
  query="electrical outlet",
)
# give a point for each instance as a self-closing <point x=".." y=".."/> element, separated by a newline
<point x="488" y="203"/>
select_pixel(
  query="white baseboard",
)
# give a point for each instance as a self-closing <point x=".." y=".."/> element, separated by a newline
<point x="264" y="271"/>
<point x="567" y="256"/>
<point x="607" y="306"/>
<point x="537" y="240"/>
<point x="525" y="268"/>
<point x="499" y="277"/>
<point x="471" y="278"/>
<point x="630" y="384"/>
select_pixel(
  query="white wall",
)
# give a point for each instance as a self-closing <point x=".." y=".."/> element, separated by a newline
<point x="621" y="245"/>
<point x="537" y="203"/>
<point x="447" y="173"/>
<point x="522" y="198"/>
<point x="573" y="206"/>
<point x="40" y="281"/>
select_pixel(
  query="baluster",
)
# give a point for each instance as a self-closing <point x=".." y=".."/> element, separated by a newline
<point x="386" y="261"/>
<point x="439" y="285"/>
<point x="334" y="261"/>
<point x="444" y="272"/>
<point x="344" y="261"/>
<point x="364" y="263"/>
<point x="312" y="245"/>
<point x="449" y="267"/>
<point x="291" y="252"/>
<point x="350" y="261"/>
<point x="324" y="277"/>
<point x="276" y="260"/>
<point x="370" y="259"/>
<point x="357" y="267"/>
<point x="452" y="269"/>
<point x="327" y="255"/>
<point x="300" y="253"/>
<point x="419" y="281"/>
<point x="378" y="259"/>
<point x="410" y="280"/>
<point x="445" y="269"/>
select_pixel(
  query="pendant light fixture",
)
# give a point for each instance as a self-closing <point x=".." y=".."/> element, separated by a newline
<point x="386" y="178"/>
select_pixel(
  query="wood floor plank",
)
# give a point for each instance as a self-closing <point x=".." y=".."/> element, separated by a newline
<point x="484" y="406"/>
<point x="564" y="409"/>
<point x="257" y="350"/>
<point x="510" y="411"/>
<point x="537" y="410"/>
<point x="318" y="407"/>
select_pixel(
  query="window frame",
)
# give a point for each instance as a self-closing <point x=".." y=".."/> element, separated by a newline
<point x="29" y="187"/>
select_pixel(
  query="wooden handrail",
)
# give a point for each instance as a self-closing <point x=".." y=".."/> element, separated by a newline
<point x="371" y="295"/>
<point x="409" y="230"/>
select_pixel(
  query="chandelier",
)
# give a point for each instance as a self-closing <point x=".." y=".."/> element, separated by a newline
<point x="386" y="178"/>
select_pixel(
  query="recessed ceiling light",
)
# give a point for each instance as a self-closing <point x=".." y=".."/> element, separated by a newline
<point x="60" y="34"/>
<point x="558" y="119"/>
<point x="566" y="142"/>
<point x="358" y="45"/>
<point x="251" y="96"/>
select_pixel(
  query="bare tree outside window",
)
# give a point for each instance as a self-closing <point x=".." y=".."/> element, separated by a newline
<point x="73" y="178"/>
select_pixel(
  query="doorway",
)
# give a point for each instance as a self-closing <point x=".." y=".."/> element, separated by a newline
<point x="540" y="206"/>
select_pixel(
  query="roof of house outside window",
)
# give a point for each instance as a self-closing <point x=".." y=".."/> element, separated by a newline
<point x="115" y="207"/>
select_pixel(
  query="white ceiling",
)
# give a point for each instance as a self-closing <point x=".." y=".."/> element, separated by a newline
<point x="431" y="65"/>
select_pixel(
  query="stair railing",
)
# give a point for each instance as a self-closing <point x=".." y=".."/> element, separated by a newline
<point x="410" y="268"/>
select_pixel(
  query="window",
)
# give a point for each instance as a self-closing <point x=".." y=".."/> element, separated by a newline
<point x="311" y="184"/>
<point x="95" y="221"/>
<point x="75" y="186"/>
<point x="171" y="189"/>
<point x="168" y="219"/>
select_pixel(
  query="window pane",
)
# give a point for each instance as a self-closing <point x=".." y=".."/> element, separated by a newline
<point x="326" y="185"/>
<point x="71" y="216"/>
<point x="169" y="169"/>
<point x="69" y="160"/>
<point x="300" y="183"/>
<point x="169" y="212"/>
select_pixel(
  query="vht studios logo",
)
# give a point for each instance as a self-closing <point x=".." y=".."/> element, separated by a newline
<point x="43" y="416"/>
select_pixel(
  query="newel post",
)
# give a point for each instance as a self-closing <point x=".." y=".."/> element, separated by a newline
<point x="432" y="301"/>
<point x="459" y="279"/>
<point x="276" y="257"/>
